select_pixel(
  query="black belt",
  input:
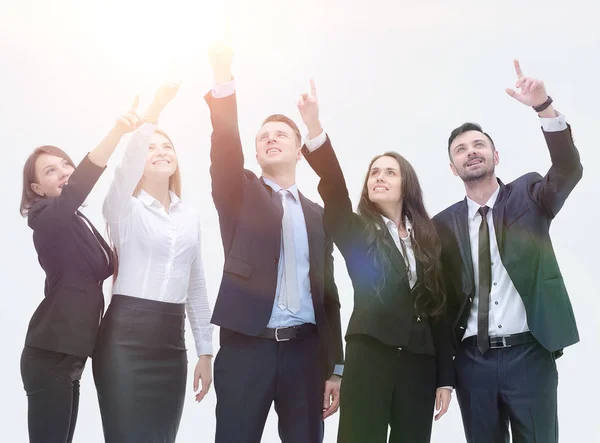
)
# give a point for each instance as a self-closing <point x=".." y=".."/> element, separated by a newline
<point x="502" y="342"/>
<point x="289" y="333"/>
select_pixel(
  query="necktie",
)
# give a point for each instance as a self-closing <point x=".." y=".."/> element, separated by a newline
<point x="288" y="291"/>
<point x="485" y="279"/>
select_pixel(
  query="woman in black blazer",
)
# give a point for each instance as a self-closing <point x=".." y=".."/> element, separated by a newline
<point x="76" y="260"/>
<point x="399" y="354"/>
<point x="398" y="349"/>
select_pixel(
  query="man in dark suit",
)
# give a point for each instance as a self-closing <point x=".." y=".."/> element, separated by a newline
<point x="278" y="306"/>
<point x="512" y="314"/>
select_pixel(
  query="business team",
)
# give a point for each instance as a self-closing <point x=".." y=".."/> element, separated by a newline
<point x="471" y="299"/>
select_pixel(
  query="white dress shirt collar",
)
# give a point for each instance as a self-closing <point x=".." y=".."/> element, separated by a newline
<point x="391" y="225"/>
<point x="474" y="206"/>
<point x="148" y="200"/>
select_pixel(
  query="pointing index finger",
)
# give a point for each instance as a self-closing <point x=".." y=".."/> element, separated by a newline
<point x="136" y="103"/>
<point x="313" y="88"/>
<point x="518" y="69"/>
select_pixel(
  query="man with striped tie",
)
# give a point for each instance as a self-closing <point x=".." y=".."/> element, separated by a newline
<point x="278" y="306"/>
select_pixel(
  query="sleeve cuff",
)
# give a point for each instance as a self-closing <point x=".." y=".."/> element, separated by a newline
<point x="338" y="370"/>
<point x="204" y="345"/>
<point x="315" y="143"/>
<point x="555" y="124"/>
<point x="446" y="387"/>
<point x="223" y="90"/>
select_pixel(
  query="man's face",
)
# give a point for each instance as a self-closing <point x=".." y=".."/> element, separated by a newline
<point x="472" y="156"/>
<point x="277" y="145"/>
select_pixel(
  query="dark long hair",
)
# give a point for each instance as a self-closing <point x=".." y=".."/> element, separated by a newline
<point x="28" y="197"/>
<point x="430" y="297"/>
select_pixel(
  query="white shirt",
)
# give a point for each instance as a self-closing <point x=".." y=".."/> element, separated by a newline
<point x="393" y="229"/>
<point x="159" y="251"/>
<point x="507" y="311"/>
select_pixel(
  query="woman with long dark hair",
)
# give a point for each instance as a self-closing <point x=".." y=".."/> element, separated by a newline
<point x="140" y="363"/>
<point x="76" y="260"/>
<point x="398" y="356"/>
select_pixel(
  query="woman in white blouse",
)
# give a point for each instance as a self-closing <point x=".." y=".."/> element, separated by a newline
<point x="140" y="362"/>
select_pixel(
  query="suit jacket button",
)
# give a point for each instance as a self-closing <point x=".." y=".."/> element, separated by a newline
<point x="275" y="260"/>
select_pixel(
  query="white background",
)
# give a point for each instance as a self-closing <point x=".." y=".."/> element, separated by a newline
<point x="391" y="75"/>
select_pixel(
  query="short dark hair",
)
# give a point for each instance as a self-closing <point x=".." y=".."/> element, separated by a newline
<point x="466" y="127"/>
<point x="283" y="119"/>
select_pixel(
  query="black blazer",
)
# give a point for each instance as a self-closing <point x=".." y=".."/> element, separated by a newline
<point x="67" y="320"/>
<point x="522" y="216"/>
<point x="251" y="233"/>
<point x="390" y="315"/>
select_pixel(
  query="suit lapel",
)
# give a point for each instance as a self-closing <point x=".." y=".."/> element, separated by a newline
<point x="396" y="259"/>
<point x="498" y="215"/>
<point x="316" y="246"/>
<point x="314" y="229"/>
<point x="275" y="200"/>
<point x="460" y="221"/>
<point x="95" y="242"/>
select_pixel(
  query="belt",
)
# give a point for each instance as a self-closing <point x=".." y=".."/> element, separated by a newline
<point x="502" y="342"/>
<point x="289" y="333"/>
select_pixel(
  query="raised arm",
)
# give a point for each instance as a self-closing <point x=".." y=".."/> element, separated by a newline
<point x="551" y="192"/>
<point x="51" y="212"/>
<point x="131" y="169"/>
<point x="226" y="156"/>
<point x="340" y="220"/>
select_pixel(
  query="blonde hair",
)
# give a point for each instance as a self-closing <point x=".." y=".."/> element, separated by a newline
<point x="174" y="186"/>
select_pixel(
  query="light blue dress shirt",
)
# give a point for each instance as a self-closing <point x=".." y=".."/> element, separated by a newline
<point x="281" y="318"/>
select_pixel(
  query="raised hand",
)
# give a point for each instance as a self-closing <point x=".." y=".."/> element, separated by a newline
<point x="163" y="96"/>
<point x="221" y="59"/>
<point x="129" y="121"/>
<point x="533" y="91"/>
<point x="308" y="105"/>
<point x="166" y="92"/>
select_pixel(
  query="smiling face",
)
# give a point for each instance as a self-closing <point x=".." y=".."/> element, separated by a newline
<point x="473" y="156"/>
<point x="277" y="144"/>
<point x="161" y="161"/>
<point x="51" y="175"/>
<point x="384" y="184"/>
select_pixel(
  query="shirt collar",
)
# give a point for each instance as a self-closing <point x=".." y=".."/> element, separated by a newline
<point x="474" y="207"/>
<point x="148" y="200"/>
<point x="276" y="188"/>
<point x="390" y="223"/>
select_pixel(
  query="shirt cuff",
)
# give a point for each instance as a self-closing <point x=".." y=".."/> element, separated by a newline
<point x="315" y="143"/>
<point x="554" y="124"/>
<point x="224" y="90"/>
<point x="446" y="387"/>
<point x="338" y="370"/>
<point x="204" y="346"/>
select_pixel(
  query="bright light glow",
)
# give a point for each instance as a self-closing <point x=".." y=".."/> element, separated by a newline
<point x="157" y="40"/>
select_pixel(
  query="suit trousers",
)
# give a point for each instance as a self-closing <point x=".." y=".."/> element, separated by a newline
<point x="513" y="386"/>
<point x="252" y="373"/>
<point x="384" y="386"/>
<point x="51" y="381"/>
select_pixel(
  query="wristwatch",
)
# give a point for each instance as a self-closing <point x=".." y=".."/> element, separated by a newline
<point x="544" y="105"/>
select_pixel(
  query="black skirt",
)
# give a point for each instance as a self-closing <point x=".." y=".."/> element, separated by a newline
<point x="140" y="370"/>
